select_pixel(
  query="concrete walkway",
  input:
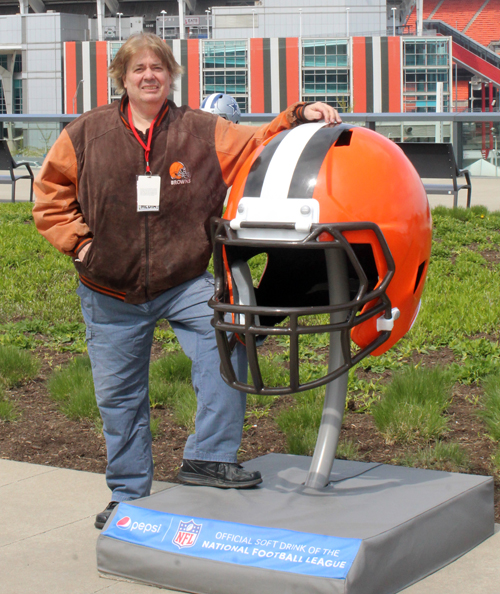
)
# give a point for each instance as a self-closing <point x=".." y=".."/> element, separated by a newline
<point x="48" y="539"/>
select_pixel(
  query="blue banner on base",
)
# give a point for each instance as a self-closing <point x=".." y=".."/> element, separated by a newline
<point x="242" y="544"/>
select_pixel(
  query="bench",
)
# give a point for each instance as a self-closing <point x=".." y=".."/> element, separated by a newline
<point x="7" y="163"/>
<point x="435" y="160"/>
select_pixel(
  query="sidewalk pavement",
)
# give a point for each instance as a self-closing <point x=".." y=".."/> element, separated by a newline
<point x="485" y="191"/>
<point x="48" y="539"/>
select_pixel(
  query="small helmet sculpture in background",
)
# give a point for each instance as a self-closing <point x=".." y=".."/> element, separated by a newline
<point x="223" y="105"/>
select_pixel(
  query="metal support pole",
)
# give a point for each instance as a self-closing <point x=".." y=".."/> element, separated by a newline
<point x="181" y="18"/>
<point x="163" y="13"/>
<point x="119" y="15"/>
<point x="100" y="19"/>
<point x="456" y="87"/>
<point x="490" y="108"/>
<point x="336" y="391"/>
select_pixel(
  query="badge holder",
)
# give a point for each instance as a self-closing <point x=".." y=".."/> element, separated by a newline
<point x="148" y="193"/>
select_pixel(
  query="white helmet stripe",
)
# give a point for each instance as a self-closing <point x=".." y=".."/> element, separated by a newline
<point x="282" y="166"/>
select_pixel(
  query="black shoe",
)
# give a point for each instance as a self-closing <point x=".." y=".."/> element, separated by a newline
<point x="225" y="475"/>
<point x="102" y="518"/>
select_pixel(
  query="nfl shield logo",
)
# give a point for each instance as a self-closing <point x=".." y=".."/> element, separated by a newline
<point x="186" y="534"/>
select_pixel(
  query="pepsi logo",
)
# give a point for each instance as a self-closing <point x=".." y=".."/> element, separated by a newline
<point x="124" y="523"/>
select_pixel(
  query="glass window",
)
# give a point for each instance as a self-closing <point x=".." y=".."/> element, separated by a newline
<point x="426" y="62"/>
<point x="225" y="70"/>
<point x="325" y="72"/>
<point x="18" y="96"/>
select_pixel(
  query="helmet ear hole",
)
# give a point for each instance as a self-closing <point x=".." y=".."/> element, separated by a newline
<point x="420" y="272"/>
<point x="344" y="139"/>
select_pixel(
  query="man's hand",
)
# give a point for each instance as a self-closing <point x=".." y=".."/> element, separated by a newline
<point x="322" y="111"/>
<point x="83" y="251"/>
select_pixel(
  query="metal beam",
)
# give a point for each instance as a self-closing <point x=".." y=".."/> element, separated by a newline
<point x="191" y="4"/>
<point x="113" y="6"/>
<point x="38" y="6"/>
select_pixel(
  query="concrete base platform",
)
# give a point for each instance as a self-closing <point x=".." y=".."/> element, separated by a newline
<point x="375" y="529"/>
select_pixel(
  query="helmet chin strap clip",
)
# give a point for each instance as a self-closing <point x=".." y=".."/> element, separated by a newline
<point x="387" y="324"/>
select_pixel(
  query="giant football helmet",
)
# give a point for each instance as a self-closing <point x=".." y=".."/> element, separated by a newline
<point x="223" y="105"/>
<point x="317" y="201"/>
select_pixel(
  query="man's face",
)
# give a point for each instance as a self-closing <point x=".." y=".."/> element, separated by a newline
<point x="147" y="80"/>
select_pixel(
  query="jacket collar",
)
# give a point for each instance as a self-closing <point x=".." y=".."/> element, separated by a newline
<point x="124" y="112"/>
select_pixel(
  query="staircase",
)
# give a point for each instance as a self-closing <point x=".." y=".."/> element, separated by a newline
<point x="468" y="52"/>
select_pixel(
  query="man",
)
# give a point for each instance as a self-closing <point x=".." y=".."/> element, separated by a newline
<point x="128" y="191"/>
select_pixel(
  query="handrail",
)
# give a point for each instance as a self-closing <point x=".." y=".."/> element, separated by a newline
<point x="373" y="118"/>
<point x="366" y="118"/>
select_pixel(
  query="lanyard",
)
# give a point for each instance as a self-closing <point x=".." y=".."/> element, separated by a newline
<point x="147" y="148"/>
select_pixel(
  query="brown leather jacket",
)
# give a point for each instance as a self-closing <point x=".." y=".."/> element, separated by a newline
<point x="86" y="192"/>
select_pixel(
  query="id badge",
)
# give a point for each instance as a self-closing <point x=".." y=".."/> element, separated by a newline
<point x="148" y="193"/>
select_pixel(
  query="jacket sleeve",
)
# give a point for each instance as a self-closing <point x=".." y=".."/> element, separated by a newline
<point x="57" y="214"/>
<point x="234" y="143"/>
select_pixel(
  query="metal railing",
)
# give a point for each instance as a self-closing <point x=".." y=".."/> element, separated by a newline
<point x="474" y="135"/>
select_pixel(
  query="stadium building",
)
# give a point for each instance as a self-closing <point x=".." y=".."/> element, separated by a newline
<point x="364" y="57"/>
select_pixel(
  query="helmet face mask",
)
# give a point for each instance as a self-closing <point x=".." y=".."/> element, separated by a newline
<point x="314" y="221"/>
<point x="222" y="105"/>
<point x="292" y="300"/>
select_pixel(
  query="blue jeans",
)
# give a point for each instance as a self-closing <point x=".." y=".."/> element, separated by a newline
<point x="119" y="338"/>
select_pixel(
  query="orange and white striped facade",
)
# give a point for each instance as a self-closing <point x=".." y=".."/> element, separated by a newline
<point x="273" y="69"/>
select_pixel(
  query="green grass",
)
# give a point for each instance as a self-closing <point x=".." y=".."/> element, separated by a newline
<point x="412" y="405"/>
<point x="170" y="387"/>
<point x="37" y="282"/>
<point x="8" y="411"/>
<point x="300" y="422"/>
<point x="491" y="411"/>
<point x="450" y="457"/>
<point x="496" y="460"/>
<point x="460" y="311"/>
<point x="72" y="387"/>
<point x="16" y="366"/>
<point x="154" y="425"/>
<point x="348" y="449"/>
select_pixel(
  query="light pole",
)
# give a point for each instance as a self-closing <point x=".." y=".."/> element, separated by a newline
<point x="393" y="21"/>
<point x="163" y="13"/>
<point x="119" y="15"/>
<point x="207" y="12"/>
<point x="300" y="23"/>
<point x="347" y="21"/>
<point x="253" y="22"/>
